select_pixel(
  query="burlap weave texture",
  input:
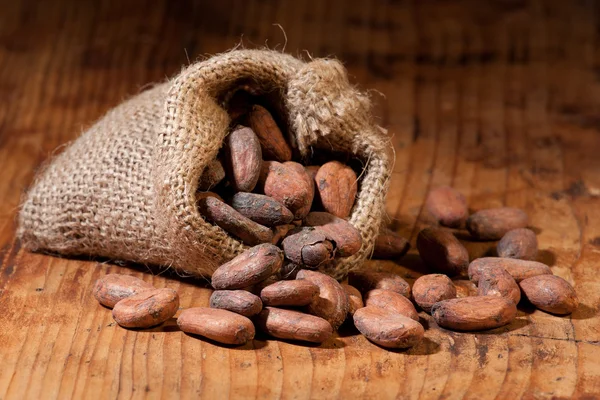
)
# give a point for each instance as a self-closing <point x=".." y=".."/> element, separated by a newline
<point x="125" y="189"/>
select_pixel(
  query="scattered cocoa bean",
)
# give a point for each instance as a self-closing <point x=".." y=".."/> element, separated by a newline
<point x="112" y="288"/>
<point x="366" y="280"/>
<point x="252" y="266"/>
<point x="219" y="325"/>
<point x="289" y="186"/>
<point x="293" y="325"/>
<point x="518" y="269"/>
<point x="308" y="246"/>
<point x="355" y="300"/>
<point x="212" y="175"/>
<point x="331" y="303"/>
<point x="442" y="251"/>
<point x="387" y="329"/>
<point x="448" y="206"/>
<point x="233" y="222"/>
<point x="474" y="313"/>
<point x="238" y="301"/>
<point x="493" y="223"/>
<point x="271" y="139"/>
<point x="289" y="293"/>
<point x="146" y="309"/>
<point x="346" y="237"/>
<point x="496" y="281"/>
<point x="518" y="243"/>
<point x="336" y="184"/>
<point x="391" y="301"/>
<point x="243" y="159"/>
<point x="430" y="289"/>
<point x="550" y="293"/>
<point x="261" y="209"/>
<point x="389" y="245"/>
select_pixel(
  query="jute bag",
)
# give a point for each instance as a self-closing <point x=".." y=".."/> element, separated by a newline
<point x="125" y="189"/>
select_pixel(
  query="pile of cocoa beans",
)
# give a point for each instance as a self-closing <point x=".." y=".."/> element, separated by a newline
<point x="295" y="217"/>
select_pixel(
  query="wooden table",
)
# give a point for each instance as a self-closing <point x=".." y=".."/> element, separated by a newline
<point x="499" y="99"/>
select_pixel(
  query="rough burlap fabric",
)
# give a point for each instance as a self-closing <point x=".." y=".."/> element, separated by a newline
<point x="125" y="189"/>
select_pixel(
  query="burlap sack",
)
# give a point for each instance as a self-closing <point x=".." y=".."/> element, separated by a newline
<point x="125" y="189"/>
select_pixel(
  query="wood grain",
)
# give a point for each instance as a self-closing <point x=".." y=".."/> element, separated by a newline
<point x="499" y="99"/>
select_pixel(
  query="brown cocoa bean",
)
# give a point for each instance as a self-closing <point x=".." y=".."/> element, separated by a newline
<point x="238" y="301"/>
<point x="496" y="281"/>
<point x="430" y="289"/>
<point x="112" y="288"/>
<point x="227" y="218"/>
<point x="474" y="313"/>
<point x="336" y="184"/>
<point x="293" y="325"/>
<point x="288" y="184"/>
<point x="442" y="251"/>
<point x="243" y="159"/>
<point x="289" y="293"/>
<point x="212" y="175"/>
<point x="271" y="139"/>
<point x="388" y="329"/>
<point x="448" y="206"/>
<point x="331" y="303"/>
<point x="308" y="246"/>
<point x="146" y="309"/>
<point x="493" y="223"/>
<point x="251" y="267"/>
<point x="280" y="232"/>
<point x="355" y="300"/>
<point x="261" y="209"/>
<point x="518" y="243"/>
<point x="366" y="280"/>
<point x="219" y="325"/>
<point x="550" y="293"/>
<point x="389" y="245"/>
<point x="518" y="269"/>
<point x="391" y="301"/>
<point x="346" y="237"/>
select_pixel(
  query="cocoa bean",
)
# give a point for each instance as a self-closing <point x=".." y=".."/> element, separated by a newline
<point x="493" y="223"/>
<point x="387" y="329"/>
<point x="430" y="289"/>
<point x="261" y="209"/>
<point x="550" y="293"/>
<point x="366" y="280"/>
<point x="332" y="303"/>
<point x="496" y="281"/>
<point x="219" y="325"/>
<point x="346" y="238"/>
<point x="293" y="325"/>
<point x="474" y="313"/>
<point x="146" y="309"/>
<point x="233" y="222"/>
<point x="243" y="159"/>
<point x="355" y="300"/>
<point x="288" y="184"/>
<point x="518" y="269"/>
<point x="271" y="139"/>
<point x="442" y="251"/>
<point x="251" y="267"/>
<point x="391" y="301"/>
<point x="336" y="184"/>
<point x="289" y="293"/>
<point x="112" y="288"/>
<point x="518" y="243"/>
<point x="448" y="206"/>
<point x="308" y="246"/>
<point x="238" y="301"/>
<point x="389" y="245"/>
